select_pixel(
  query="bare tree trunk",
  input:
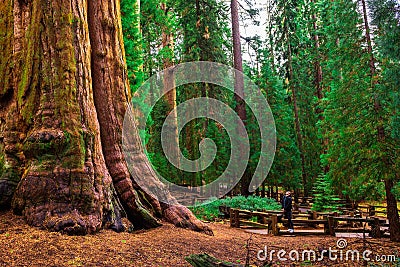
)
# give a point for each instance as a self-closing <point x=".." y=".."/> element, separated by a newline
<point x="392" y="210"/>
<point x="368" y="37"/>
<point x="169" y="82"/>
<point x="296" y="115"/>
<point x="111" y="94"/>
<point x="239" y="88"/>
<point x="63" y="114"/>
<point x="318" y="82"/>
<point x="317" y="64"/>
<point x="270" y="25"/>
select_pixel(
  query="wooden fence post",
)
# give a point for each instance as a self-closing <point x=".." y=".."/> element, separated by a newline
<point x="231" y="217"/>
<point x="326" y="225"/>
<point x="331" y="225"/>
<point x="237" y="220"/>
<point x="372" y="211"/>
<point x="314" y="215"/>
<point x="264" y="220"/>
<point x="376" y="229"/>
<point x="274" y="224"/>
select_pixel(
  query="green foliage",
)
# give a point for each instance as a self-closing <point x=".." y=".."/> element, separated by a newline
<point x="200" y="31"/>
<point x="210" y="211"/>
<point x="154" y="23"/>
<point x="396" y="191"/>
<point x="324" y="197"/>
<point x="130" y="11"/>
<point x="357" y="105"/>
<point x="205" y="27"/>
<point x="339" y="131"/>
<point x="348" y="105"/>
<point x="2" y="161"/>
<point x="294" y="54"/>
<point x="385" y="17"/>
<point x="286" y="169"/>
<point x="156" y="155"/>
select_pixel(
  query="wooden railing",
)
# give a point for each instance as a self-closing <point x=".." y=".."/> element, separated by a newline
<point x="373" y="210"/>
<point x="332" y="223"/>
<point x="374" y="224"/>
<point x="270" y="219"/>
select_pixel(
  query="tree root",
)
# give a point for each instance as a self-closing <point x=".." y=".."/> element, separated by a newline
<point x="181" y="216"/>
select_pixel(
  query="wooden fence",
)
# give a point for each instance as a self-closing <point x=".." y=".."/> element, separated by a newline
<point x="331" y="222"/>
<point x="270" y="219"/>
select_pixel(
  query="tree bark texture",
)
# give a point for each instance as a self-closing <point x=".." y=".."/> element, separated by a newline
<point x="64" y="93"/>
<point x="239" y="89"/>
<point x="392" y="212"/>
<point x="168" y="83"/>
<point x="391" y="201"/>
<point x="299" y="134"/>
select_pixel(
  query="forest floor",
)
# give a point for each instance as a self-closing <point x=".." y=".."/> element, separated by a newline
<point x="166" y="246"/>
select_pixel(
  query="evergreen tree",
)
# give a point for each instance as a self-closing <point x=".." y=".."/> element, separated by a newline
<point x="286" y="169"/>
<point x="205" y="37"/>
<point x="361" y="152"/>
<point x="325" y="199"/>
<point x="130" y="12"/>
<point x="385" y="17"/>
<point x="294" y="38"/>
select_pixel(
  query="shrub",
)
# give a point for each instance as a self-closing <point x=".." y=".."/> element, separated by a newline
<point x="209" y="210"/>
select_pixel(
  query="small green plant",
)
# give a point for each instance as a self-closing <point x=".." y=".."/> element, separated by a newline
<point x="76" y="262"/>
<point x="324" y="199"/>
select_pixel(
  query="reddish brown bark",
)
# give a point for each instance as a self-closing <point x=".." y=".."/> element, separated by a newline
<point x="392" y="210"/>
<point x="368" y="37"/>
<point x="318" y="81"/>
<point x="61" y="121"/>
<point x="239" y="88"/>
<point x="169" y="81"/>
<point x="65" y="185"/>
<point x="299" y="134"/>
<point x="317" y="64"/>
<point x="170" y="94"/>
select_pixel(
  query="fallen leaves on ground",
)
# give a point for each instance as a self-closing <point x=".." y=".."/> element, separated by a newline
<point x="166" y="246"/>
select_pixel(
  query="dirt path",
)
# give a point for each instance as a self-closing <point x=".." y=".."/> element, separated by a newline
<point x="166" y="246"/>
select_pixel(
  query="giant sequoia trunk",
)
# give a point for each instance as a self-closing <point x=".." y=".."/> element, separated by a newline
<point x="63" y="96"/>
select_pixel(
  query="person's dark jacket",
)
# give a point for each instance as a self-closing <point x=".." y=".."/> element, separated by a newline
<point x="287" y="203"/>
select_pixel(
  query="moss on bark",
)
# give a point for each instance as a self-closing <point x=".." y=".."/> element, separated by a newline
<point x="61" y="142"/>
<point x="6" y="36"/>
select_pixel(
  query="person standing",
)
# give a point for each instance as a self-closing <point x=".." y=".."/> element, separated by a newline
<point x="287" y="210"/>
